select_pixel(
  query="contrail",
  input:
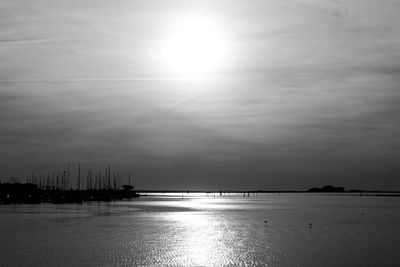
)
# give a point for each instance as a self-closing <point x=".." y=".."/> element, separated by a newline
<point x="10" y="43"/>
<point x="93" y="80"/>
<point x="184" y="101"/>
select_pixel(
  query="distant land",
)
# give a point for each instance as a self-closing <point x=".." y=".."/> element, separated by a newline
<point x="323" y="189"/>
<point x="28" y="193"/>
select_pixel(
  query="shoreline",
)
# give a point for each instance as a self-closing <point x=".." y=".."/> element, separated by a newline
<point x="27" y="193"/>
<point x="31" y="194"/>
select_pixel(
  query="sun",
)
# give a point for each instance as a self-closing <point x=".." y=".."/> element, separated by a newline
<point x="194" y="47"/>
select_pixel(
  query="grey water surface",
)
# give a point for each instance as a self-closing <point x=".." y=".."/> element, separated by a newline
<point x="205" y="230"/>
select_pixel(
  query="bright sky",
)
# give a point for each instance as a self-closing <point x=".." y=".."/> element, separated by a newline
<point x="206" y="95"/>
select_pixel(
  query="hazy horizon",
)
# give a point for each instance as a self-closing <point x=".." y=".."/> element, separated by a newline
<point x="267" y="95"/>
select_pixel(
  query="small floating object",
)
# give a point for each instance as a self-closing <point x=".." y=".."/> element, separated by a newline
<point x="265" y="221"/>
<point x="310" y="225"/>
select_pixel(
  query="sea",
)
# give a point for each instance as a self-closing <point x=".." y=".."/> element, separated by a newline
<point x="200" y="229"/>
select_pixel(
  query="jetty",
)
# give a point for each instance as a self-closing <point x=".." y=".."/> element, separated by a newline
<point x="17" y="193"/>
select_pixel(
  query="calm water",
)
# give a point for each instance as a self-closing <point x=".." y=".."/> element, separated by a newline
<point x="205" y="231"/>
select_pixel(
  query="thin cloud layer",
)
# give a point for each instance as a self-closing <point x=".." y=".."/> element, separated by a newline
<point x="310" y="97"/>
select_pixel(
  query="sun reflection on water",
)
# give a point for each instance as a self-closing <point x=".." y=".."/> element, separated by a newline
<point x="188" y="230"/>
<point x="203" y="240"/>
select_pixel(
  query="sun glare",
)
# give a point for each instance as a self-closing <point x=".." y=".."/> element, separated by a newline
<point x="194" y="47"/>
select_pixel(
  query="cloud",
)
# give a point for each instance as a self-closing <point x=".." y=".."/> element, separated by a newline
<point x="311" y="96"/>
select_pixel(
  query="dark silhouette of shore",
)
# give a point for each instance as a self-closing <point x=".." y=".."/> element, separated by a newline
<point x="64" y="187"/>
<point x="248" y="193"/>
<point x="328" y="189"/>
<point x="28" y="193"/>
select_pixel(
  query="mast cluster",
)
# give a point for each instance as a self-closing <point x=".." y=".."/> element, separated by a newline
<point x="88" y="180"/>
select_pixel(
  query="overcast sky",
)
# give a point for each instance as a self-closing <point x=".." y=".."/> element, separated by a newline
<point x="309" y="96"/>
